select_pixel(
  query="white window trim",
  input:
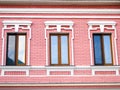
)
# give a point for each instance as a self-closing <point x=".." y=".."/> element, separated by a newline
<point x="16" y="26"/>
<point x="101" y="27"/>
<point x="58" y="25"/>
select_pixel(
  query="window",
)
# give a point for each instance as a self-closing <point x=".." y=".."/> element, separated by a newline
<point x="16" y="44"/>
<point x="102" y="49"/>
<point x="59" y="49"/>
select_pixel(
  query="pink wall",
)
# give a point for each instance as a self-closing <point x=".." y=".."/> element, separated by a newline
<point x="81" y="52"/>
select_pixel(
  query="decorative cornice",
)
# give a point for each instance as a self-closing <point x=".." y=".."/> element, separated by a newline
<point x="59" y="2"/>
<point x="59" y="11"/>
<point x="58" y="16"/>
<point x="62" y="84"/>
<point x="58" y="25"/>
<point x="101" y="25"/>
<point x="17" y="22"/>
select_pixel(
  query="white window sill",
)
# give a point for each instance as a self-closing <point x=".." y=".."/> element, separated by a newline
<point x="105" y="67"/>
<point x="14" y="67"/>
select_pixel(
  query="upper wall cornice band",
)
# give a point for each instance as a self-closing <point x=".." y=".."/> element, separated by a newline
<point x="59" y="11"/>
<point x="59" y="2"/>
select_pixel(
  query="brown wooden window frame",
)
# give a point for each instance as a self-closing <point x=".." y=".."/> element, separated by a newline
<point x="16" y="47"/>
<point x="59" y="49"/>
<point x="102" y="50"/>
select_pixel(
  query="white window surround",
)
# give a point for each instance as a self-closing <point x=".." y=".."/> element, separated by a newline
<point x="58" y="28"/>
<point x="16" y="25"/>
<point x="101" y="25"/>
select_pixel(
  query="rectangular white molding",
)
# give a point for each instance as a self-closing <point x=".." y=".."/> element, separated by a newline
<point x="71" y="69"/>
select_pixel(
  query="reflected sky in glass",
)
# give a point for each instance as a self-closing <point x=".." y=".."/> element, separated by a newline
<point x="21" y="49"/>
<point x="64" y="50"/>
<point x="97" y="49"/>
<point x="54" y="49"/>
<point x="11" y="50"/>
<point x="107" y="49"/>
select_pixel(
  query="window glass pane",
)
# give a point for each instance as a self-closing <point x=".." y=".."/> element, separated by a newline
<point x="54" y="49"/>
<point x="21" y="49"/>
<point x="97" y="49"/>
<point x="11" y="50"/>
<point x="107" y="49"/>
<point x="64" y="50"/>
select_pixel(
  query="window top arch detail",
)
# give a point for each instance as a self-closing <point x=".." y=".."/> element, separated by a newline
<point x="17" y="24"/>
<point x="58" y="25"/>
<point x="101" y="25"/>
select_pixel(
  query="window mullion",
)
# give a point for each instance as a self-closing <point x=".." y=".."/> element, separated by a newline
<point x="59" y="49"/>
<point x="103" y="54"/>
<point x="16" y="50"/>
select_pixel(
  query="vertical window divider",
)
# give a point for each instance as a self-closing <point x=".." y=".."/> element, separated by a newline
<point x="16" y="51"/>
<point x="59" y="50"/>
<point x="102" y="49"/>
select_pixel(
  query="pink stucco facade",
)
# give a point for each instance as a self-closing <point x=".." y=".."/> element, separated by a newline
<point x="80" y="22"/>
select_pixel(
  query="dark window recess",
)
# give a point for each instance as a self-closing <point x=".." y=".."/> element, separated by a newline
<point x="102" y="49"/>
<point x="16" y="49"/>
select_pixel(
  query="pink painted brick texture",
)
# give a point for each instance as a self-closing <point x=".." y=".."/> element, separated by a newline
<point x="81" y="51"/>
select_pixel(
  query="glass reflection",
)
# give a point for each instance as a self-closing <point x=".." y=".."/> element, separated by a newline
<point x="21" y="49"/>
<point x="11" y="50"/>
<point x="54" y="50"/>
<point x="97" y="49"/>
<point x="107" y="49"/>
<point x="64" y="50"/>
